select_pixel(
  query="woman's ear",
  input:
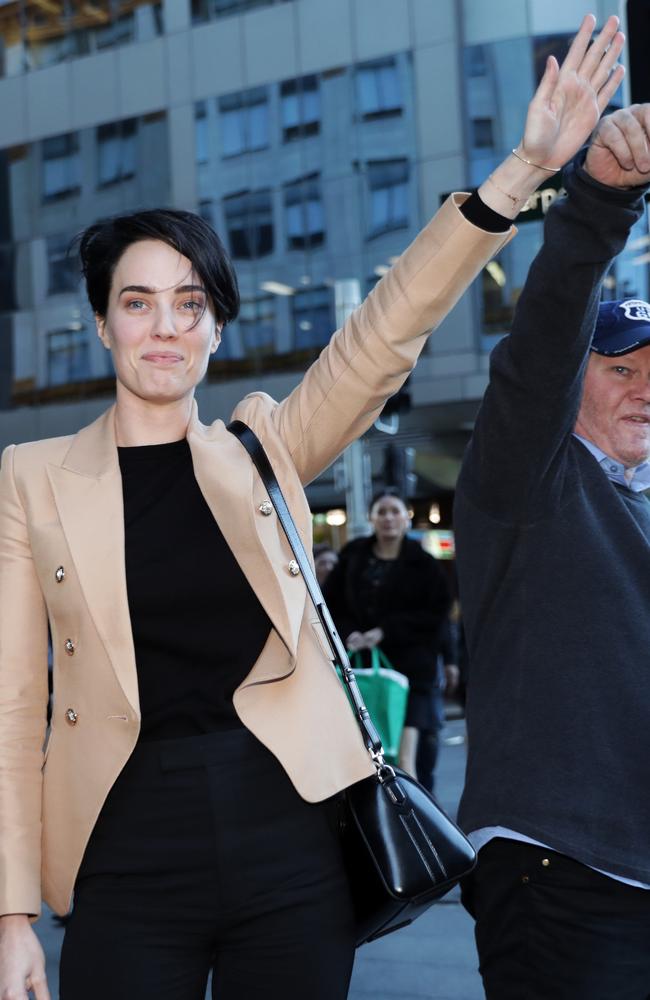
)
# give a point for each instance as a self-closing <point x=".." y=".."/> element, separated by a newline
<point x="100" y="324"/>
<point x="216" y="339"/>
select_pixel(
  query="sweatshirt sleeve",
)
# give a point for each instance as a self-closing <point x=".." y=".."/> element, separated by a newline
<point x="512" y="465"/>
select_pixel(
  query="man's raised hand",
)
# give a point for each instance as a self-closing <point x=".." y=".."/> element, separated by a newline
<point x="619" y="154"/>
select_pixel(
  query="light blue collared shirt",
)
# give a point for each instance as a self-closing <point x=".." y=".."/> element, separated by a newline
<point x="636" y="479"/>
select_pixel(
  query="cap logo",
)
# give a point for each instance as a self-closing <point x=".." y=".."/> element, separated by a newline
<point x="636" y="309"/>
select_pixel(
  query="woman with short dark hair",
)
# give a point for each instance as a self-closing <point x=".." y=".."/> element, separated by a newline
<point x="187" y="792"/>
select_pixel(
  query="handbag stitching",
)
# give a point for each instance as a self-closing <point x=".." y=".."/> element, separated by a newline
<point x="404" y="820"/>
<point x="443" y="870"/>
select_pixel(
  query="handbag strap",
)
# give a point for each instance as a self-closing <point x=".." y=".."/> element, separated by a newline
<point x="253" y="446"/>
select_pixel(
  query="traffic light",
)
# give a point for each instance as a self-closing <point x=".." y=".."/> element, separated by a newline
<point x="398" y="469"/>
<point x="638" y="46"/>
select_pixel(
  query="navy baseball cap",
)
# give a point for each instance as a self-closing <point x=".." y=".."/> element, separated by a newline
<point x="621" y="327"/>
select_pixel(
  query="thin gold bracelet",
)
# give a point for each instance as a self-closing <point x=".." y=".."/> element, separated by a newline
<point x="513" y="198"/>
<point x="538" y="166"/>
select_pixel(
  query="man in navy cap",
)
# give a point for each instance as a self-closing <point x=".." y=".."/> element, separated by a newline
<point x="614" y="418"/>
<point x="553" y="543"/>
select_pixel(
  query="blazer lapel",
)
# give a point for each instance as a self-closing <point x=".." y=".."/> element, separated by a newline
<point x="227" y="480"/>
<point x="88" y="495"/>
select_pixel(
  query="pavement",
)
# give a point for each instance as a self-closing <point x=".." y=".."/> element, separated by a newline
<point x="433" y="959"/>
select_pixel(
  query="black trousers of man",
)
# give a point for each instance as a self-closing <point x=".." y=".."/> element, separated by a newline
<point x="205" y="858"/>
<point x="549" y="928"/>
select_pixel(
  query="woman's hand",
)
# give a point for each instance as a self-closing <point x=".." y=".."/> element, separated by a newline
<point x="570" y="99"/>
<point x="360" y="640"/>
<point x="22" y="962"/>
<point x="619" y="154"/>
<point x="373" y="637"/>
<point x="561" y="116"/>
<point x="354" y="642"/>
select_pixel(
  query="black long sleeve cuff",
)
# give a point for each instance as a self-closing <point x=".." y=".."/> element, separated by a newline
<point x="480" y="215"/>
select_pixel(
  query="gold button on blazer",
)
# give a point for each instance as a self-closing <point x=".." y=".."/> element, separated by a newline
<point x="61" y="506"/>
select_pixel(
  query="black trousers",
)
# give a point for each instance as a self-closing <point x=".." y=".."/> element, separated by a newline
<point x="549" y="928"/>
<point x="205" y="857"/>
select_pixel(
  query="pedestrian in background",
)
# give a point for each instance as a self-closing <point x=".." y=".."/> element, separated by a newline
<point x="387" y="591"/>
<point x="553" y="546"/>
<point x="199" y="733"/>
<point x="445" y="684"/>
<point x="325" y="559"/>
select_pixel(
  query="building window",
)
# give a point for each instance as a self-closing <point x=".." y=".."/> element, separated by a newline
<point x="63" y="274"/>
<point x="300" y="107"/>
<point x="249" y="221"/>
<point x="206" y="10"/>
<point x="61" y="166"/>
<point x="67" y="357"/>
<point x="388" y="182"/>
<point x="201" y="132"/>
<point x="206" y="211"/>
<point x="116" y="152"/>
<point x="257" y="326"/>
<point x="476" y="64"/>
<point x="312" y="317"/>
<point x="304" y="214"/>
<point x="482" y="133"/>
<point x="378" y="89"/>
<point x="244" y="121"/>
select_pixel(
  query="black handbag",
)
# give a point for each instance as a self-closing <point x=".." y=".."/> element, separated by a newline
<point x="401" y="850"/>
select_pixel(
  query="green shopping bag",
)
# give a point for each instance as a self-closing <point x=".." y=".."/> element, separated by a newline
<point x="385" y="692"/>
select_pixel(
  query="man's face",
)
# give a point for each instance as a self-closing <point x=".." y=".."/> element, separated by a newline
<point x="615" y="409"/>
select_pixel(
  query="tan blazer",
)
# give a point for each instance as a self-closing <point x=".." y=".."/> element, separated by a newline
<point x="62" y="561"/>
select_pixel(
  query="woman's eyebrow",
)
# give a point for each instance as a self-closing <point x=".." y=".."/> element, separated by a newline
<point x="146" y="290"/>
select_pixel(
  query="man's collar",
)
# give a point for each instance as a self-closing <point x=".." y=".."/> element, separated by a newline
<point x="636" y="479"/>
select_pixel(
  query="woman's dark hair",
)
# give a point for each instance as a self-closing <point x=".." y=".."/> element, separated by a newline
<point x="102" y="244"/>
<point x="388" y="491"/>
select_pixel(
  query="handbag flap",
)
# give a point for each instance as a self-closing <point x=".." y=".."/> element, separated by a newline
<point x="418" y="851"/>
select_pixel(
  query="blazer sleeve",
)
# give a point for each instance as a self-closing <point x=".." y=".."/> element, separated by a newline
<point x="369" y="358"/>
<point x="24" y="696"/>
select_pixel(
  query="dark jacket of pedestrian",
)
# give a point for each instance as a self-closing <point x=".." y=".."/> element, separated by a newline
<point x="409" y="604"/>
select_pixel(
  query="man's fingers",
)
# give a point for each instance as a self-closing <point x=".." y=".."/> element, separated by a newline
<point x="635" y="137"/>
<point x="580" y="43"/>
<point x="611" y="137"/>
<point x="624" y="136"/>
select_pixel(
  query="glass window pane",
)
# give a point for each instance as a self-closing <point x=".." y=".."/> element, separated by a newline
<point x="201" y="133"/>
<point x="258" y="121"/>
<point x="290" y="110"/>
<point x="295" y="221"/>
<point x="389" y="87"/>
<point x="249" y="222"/>
<point x="232" y="133"/>
<point x="378" y="89"/>
<point x="379" y="208"/>
<point x="67" y="357"/>
<point x="368" y="91"/>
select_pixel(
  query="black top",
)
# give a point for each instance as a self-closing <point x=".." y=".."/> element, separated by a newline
<point x="406" y="597"/>
<point x="197" y="625"/>
<point x="554" y="562"/>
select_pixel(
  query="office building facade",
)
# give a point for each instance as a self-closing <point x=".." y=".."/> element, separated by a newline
<point x="316" y="136"/>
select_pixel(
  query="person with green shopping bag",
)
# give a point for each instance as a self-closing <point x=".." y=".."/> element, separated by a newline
<point x="387" y="593"/>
